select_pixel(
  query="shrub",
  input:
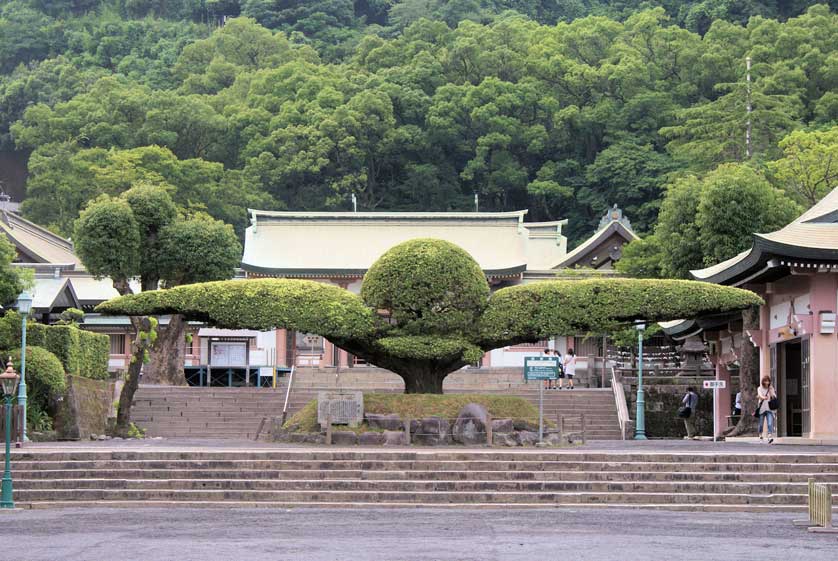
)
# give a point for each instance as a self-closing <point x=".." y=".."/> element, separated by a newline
<point x="44" y="378"/>
<point x="428" y="287"/>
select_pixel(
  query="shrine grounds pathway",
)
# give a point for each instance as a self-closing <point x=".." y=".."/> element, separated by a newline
<point x="151" y="534"/>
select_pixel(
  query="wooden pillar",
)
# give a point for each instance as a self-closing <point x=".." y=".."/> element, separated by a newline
<point x="281" y="347"/>
<point x="723" y="408"/>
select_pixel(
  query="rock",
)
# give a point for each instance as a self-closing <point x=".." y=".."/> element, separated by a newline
<point x="519" y="424"/>
<point x="504" y="439"/>
<point x="502" y="426"/>
<point x="433" y="431"/>
<point x="371" y="439"/>
<point x="101" y="437"/>
<point x="384" y="422"/>
<point x="394" y="438"/>
<point x="118" y="438"/>
<point x="470" y="426"/>
<point x="526" y="437"/>
<point x="93" y="436"/>
<point x="553" y="439"/>
<point x="344" y="438"/>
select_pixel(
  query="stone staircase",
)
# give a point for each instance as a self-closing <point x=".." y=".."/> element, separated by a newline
<point x="192" y="412"/>
<point x="760" y="480"/>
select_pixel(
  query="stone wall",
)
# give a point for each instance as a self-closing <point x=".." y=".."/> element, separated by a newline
<point x="380" y="379"/>
<point x="663" y="397"/>
<point x="84" y="408"/>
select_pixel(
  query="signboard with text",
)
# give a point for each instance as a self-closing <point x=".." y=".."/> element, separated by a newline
<point x="541" y="368"/>
<point x="714" y="384"/>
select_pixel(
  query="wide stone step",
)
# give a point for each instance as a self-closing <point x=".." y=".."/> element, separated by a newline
<point x="398" y="485"/>
<point x="370" y="475"/>
<point x="418" y="465"/>
<point x="424" y="497"/>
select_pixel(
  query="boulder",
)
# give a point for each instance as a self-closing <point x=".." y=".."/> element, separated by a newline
<point x="553" y="439"/>
<point x="433" y="431"/>
<point x="470" y="426"/>
<point x="526" y="437"/>
<point x="502" y="426"/>
<point x="504" y="439"/>
<point x="305" y="438"/>
<point x="344" y="438"/>
<point x="371" y="439"/>
<point x="384" y="422"/>
<point x="519" y="424"/>
<point x="394" y="438"/>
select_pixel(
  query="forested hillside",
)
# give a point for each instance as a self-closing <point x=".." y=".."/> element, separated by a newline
<point x="560" y="106"/>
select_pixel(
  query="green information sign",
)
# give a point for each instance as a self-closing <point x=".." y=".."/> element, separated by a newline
<point x="541" y="368"/>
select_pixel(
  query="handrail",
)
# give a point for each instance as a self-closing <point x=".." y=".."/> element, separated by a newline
<point x="288" y="394"/>
<point x="620" y="400"/>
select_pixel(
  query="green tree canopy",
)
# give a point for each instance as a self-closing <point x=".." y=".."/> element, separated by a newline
<point x="426" y="310"/>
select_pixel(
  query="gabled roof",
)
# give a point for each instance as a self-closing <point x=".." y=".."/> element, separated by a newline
<point x="51" y="293"/>
<point x="37" y="244"/>
<point x="582" y="254"/>
<point x="320" y="244"/>
<point x="812" y="237"/>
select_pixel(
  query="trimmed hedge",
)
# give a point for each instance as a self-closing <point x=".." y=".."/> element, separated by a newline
<point x="428" y="287"/>
<point x="437" y="311"/>
<point x="306" y="306"/>
<point x="429" y="348"/>
<point x="82" y="353"/>
<point x="529" y="313"/>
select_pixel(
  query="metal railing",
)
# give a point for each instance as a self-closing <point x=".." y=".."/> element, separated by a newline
<point x="820" y="509"/>
<point x="620" y="400"/>
<point x="288" y="394"/>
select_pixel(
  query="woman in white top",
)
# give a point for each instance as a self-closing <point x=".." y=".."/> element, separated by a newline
<point x="569" y="367"/>
<point x="765" y="393"/>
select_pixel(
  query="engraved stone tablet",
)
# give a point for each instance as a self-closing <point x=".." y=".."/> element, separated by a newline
<point x="345" y="408"/>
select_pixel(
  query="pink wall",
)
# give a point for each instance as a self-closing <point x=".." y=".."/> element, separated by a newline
<point x="824" y="360"/>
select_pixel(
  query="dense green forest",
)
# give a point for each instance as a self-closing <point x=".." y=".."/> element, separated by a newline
<point x="564" y="107"/>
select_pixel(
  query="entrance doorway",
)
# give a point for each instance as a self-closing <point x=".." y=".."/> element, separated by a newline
<point x="792" y="384"/>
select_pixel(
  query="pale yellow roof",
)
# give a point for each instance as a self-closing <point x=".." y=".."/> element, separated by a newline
<point x="719" y="267"/>
<point x="313" y="243"/>
<point x="38" y="243"/>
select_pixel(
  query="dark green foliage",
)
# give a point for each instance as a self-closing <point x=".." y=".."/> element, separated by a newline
<point x="45" y="378"/>
<point x="81" y="353"/>
<point x="427" y="287"/>
<point x="530" y="313"/>
<point x="10" y="280"/>
<point x="526" y="313"/>
<point x="307" y="306"/>
<point x="186" y="245"/>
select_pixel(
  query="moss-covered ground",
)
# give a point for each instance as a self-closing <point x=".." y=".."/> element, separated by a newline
<point x="420" y="406"/>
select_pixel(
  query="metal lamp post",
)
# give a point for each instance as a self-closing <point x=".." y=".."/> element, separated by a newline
<point x="640" y="424"/>
<point x="24" y="306"/>
<point x="8" y="381"/>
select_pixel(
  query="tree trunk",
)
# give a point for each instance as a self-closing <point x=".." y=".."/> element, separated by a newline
<point x="167" y="355"/>
<point x="132" y="382"/>
<point x="748" y="375"/>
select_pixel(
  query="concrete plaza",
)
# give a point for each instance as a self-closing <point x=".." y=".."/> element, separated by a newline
<point x="152" y="534"/>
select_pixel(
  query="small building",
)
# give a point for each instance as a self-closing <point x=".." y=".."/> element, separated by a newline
<point x="795" y="270"/>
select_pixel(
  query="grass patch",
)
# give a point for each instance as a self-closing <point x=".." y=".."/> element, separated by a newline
<point x="419" y="406"/>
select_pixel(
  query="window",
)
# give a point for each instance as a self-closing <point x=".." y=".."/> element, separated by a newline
<point x="117" y="344"/>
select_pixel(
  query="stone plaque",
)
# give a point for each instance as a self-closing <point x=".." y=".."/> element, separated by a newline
<point x="345" y="408"/>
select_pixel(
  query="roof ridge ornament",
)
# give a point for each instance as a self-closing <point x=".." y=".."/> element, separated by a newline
<point x="614" y="214"/>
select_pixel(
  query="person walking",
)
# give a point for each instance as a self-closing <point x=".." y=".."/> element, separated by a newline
<point x="689" y="407"/>
<point x="549" y="383"/>
<point x="765" y="395"/>
<point x="569" y="368"/>
<point x="558" y="356"/>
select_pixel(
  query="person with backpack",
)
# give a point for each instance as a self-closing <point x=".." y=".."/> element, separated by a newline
<point x="569" y="368"/>
<point x="689" y="406"/>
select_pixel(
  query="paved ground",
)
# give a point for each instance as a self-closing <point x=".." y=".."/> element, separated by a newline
<point x="404" y="535"/>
